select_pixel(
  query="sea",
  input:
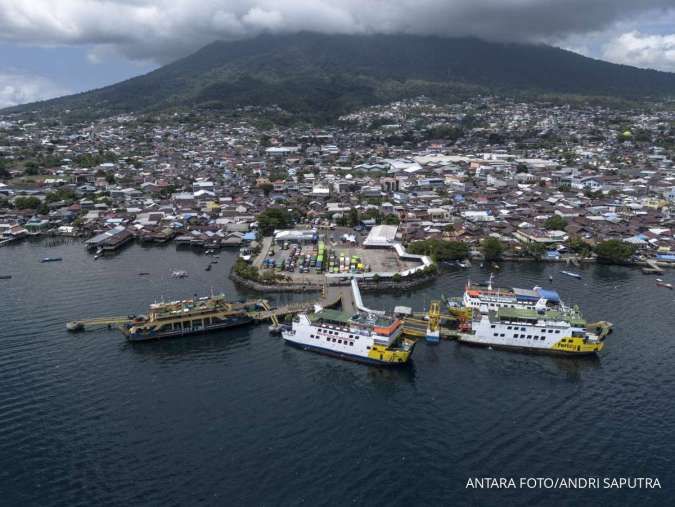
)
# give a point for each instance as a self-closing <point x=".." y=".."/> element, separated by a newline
<point x="240" y="418"/>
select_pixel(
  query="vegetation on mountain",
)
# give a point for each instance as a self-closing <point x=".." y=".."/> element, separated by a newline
<point x="319" y="76"/>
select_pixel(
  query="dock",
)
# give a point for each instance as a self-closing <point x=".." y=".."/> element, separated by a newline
<point x="652" y="268"/>
<point x="98" y="322"/>
<point x="348" y="297"/>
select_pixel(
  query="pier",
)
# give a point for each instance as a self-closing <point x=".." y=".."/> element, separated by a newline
<point x="99" y="322"/>
<point x="348" y="297"/>
<point x="652" y="268"/>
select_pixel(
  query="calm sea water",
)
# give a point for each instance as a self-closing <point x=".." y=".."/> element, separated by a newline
<point x="239" y="418"/>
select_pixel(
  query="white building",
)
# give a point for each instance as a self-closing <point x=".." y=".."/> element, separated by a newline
<point x="381" y="236"/>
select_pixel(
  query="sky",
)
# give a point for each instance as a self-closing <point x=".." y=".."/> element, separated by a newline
<point x="50" y="48"/>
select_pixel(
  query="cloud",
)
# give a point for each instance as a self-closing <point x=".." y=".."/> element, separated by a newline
<point x="17" y="88"/>
<point x="642" y="50"/>
<point x="162" y="30"/>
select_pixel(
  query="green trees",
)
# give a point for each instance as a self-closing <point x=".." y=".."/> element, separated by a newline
<point x="245" y="270"/>
<point x="614" y="251"/>
<point x="32" y="168"/>
<point x="274" y="218"/>
<point x="579" y="246"/>
<point x="440" y="250"/>
<point x="555" y="223"/>
<point x="62" y="194"/>
<point x="535" y="250"/>
<point x="266" y="188"/>
<point x="352" y="217"/>
<point x="445" y="132"/>
<point x="391" y="220"/>
<point x="27" y="203"/>
<point x="491" y="248"/>
<point x="373" y="213"/>
<point x="4" y="171"/>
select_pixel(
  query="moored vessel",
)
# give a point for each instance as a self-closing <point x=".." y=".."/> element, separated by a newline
<point x="665" y="285"/>
<point x="477" y="296"/>
<point x="366" y="338"/>
<point x="189" y="317"/>
<point x="562" y="331"/>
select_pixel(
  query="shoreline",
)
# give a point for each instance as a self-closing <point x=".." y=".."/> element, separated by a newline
<point x="369" y="286"/>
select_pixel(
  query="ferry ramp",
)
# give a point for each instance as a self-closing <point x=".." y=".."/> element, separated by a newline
<point x="87" y="324"/>
<point x="338" y="294"/>
<point x="273" y="314"/>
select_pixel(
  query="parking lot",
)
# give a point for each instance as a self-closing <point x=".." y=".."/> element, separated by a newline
<point x="332" y="254"/>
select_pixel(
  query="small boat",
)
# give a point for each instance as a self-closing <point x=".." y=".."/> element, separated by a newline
<point x="5" y="277"/>
<point x="550" y="278"/>
<point x="661" y="283"/>
<point x="569" y="273"/>
<point x="74" y="326"/>
<point x="51" y="259"/>
<point x="179" y="274"/>
<point x="143" y="273"/>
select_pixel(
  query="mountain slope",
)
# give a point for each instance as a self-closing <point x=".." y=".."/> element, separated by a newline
<point x="330" y="74"/>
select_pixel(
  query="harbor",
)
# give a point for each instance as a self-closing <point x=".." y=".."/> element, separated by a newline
<point x="524" y="320"/>
<point x="197" y="399"/>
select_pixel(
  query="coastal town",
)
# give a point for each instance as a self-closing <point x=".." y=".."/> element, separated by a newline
<point x="490" y="178"/>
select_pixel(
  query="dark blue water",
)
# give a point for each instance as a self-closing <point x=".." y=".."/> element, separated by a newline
<point x="238" y="418"/>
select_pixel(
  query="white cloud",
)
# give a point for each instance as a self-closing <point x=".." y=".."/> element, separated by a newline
<point x="17" y="88"/>
<point x="642" y="50"/>
<point x="162" y="30"/>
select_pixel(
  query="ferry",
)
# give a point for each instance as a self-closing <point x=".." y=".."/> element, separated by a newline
<point x="366" y="338"/>
<point x="189" y="317"/>
<point x="561" y="331"/>
<point x="477" y="296"/>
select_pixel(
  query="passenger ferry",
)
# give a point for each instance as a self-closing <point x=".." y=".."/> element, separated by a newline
<point x="189" y="317"/>
<point x="366" y="338"/>
<point x="543" y="330"/>
<point x="477" y="296"/>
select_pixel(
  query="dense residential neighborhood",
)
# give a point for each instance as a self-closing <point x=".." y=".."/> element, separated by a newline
<point x="545" y="180"/>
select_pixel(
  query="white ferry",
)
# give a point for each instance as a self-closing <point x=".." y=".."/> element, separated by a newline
<point x="540" y="330"/>
<point x="478" y="296"/>
<point x="373" y="339"/>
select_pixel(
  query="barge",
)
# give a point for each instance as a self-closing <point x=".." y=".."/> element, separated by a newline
<point x="190" y="317"/>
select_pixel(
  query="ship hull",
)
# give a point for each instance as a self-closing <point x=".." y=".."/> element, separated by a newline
<point x="526" y="350"/>
<point x="346" y="356"/>
<point x="143" y="337"/>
